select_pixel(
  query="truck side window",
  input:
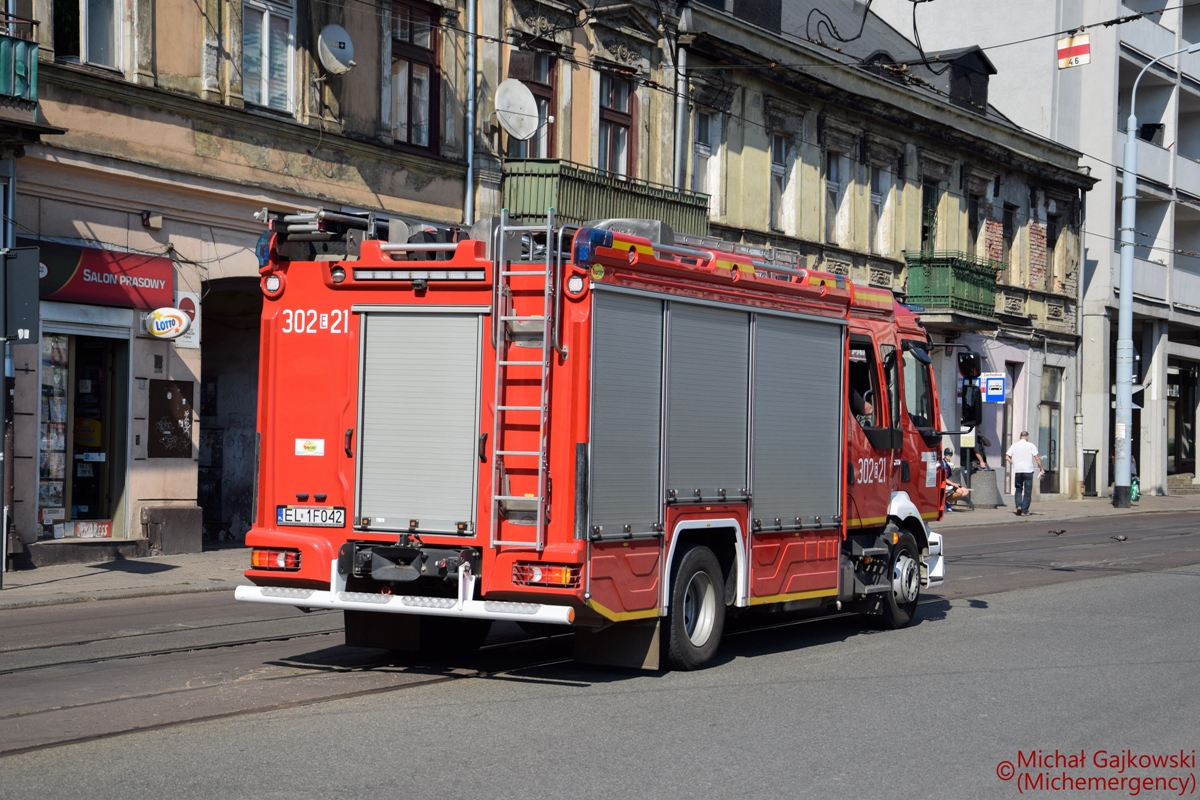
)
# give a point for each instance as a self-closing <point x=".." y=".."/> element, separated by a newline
<point x="863" y="384"/>
<point x="891" y="374"/>
<point x="917" y="391"/>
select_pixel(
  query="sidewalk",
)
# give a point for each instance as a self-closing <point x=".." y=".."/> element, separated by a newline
<point x="1057" y="510"/>
<point x="217" y="570"/>
<point x="212" y="570"/>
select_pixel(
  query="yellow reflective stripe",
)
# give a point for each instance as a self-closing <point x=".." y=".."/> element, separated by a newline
<point x="867" y="521"/>
<point x="783" y="598"/>
<point x="621" y="616"/>
<point x="929" y="515"/>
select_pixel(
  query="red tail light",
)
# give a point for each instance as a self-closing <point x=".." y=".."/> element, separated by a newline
<point x="562" y="576"/>
<point x="274" y="558"/>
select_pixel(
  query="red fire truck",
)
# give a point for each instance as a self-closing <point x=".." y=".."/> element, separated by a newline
<point x="599" y="427"/>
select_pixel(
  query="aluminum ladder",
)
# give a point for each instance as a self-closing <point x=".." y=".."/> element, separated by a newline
<point x="510" y="366"/>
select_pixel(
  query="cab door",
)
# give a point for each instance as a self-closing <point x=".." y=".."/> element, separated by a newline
<point x="869" y="436"/>
<point x="919" y="420"/>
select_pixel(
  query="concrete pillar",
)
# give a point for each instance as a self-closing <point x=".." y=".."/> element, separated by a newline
<point x="1097" y="393"/>
<point x="1152" y="463"/>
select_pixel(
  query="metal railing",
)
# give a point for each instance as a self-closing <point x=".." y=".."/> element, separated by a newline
<point x="579" y="193"/>
<point x="18" y="58"/>
<point x="953" y="279"/>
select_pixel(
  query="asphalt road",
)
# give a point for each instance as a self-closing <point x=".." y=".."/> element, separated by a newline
<point x="789" y="710"/>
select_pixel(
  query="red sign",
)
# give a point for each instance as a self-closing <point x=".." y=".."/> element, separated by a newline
<point x="1074" y="51"/>
<point x="104" y="277"/>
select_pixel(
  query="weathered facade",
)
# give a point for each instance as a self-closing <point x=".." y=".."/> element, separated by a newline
<point x="184" y="119"/>
<point x="833" y="158"/>
<point x="1087" y="107"/>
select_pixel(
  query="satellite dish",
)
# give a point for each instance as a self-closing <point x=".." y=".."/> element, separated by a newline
<point x="516" y="109"/>
<point x="335" y="49"/>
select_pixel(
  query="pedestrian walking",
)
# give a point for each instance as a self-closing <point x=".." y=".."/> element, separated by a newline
<point x="1023" y="455"/>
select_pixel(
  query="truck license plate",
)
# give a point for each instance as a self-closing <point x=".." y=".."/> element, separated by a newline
<point x="320" y="516"/>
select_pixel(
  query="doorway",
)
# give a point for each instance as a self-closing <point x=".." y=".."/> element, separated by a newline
<point x="1049" y="428"/>
<point x="81" y="463"/>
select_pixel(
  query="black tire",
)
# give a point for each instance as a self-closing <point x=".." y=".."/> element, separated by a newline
<point x="904" y="572"/>
<point x="696" y="619"/>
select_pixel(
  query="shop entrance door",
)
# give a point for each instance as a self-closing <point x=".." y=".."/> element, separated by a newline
<point x="81" y="459"/>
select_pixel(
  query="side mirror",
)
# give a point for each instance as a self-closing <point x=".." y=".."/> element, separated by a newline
<point x="972" y="405"/>
<point x="970" y="365"/>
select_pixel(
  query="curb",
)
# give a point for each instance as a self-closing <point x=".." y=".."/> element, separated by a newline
<point x="113" y="594"/>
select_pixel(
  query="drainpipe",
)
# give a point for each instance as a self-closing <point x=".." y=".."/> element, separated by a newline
<point x="469" y="192"/>
<point x="681" y="105"/>
<point x="1079" y="473"/>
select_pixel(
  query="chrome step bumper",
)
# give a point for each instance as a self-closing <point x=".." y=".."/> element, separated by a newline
<point x="935" y="563"/>
<point x="461" y="607"/>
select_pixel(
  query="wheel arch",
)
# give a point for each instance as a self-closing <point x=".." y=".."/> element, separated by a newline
<point x="905" y="514"/>
<point x="724" y="537"/>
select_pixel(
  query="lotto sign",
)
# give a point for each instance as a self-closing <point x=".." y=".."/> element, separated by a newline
<point x="1075" y="51"/>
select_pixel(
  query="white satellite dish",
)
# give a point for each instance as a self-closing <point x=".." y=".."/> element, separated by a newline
<point x="335" y="49"/>
<point x="516" y="109"/>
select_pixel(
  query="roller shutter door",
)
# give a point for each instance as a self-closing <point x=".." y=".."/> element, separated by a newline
<point x="797" y="420"/>
<point x="626" y="412"/>
<point x="707" y="387"/>
<point x="419" y="420"/>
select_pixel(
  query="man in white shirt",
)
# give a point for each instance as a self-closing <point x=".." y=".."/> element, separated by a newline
<point x="1022" y="455"/>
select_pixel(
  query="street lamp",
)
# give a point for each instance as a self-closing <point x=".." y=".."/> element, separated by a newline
<point x="1124" y="421"/>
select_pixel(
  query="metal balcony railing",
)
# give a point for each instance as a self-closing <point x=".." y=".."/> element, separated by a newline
<point x="579" y="193"/>
<point x="18" y="58"/>
<point x="953" y="280"/>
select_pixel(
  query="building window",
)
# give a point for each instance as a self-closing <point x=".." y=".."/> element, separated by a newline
<point x="414" y="75"/>
<point x="703" y="152"/>
<point x="267" y="36"/>
<point x="1053" y="229"/>
<point x="86" y="31"/>
<point x="778" y="179"/>
<point x="541" y="82"/>
<point x="1009" y="232"/>
<point x="881" y="187"/>
<point x="616" y="124"/>
<point x="931" y="197"/>
<point x="974" y="209"/>
<point x="835" y="174"/>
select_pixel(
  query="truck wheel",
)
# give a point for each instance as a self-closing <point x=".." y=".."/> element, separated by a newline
<point x="904" y="570"/>
<point x="697" y="616"/>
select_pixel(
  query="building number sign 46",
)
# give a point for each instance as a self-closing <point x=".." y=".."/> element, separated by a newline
<point x="309" y="320"/>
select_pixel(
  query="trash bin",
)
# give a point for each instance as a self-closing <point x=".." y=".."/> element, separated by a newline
<point x="985" y="492"/>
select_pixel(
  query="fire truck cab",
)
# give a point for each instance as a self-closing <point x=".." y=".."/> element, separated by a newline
<point x="598" y="427"/>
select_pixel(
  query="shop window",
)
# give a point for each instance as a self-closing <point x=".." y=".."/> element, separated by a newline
<point x="414" y="75"/>
<point x="616" y="124"/>
<point x="267" y="41"/>
<point x="539" y="75"/>
<point x="86" y="31"/>
<point x="80" y="443"/>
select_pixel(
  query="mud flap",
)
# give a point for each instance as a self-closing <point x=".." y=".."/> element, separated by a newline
<point x="626" y="644"/>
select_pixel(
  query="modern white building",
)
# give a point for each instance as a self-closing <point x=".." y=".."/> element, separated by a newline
<point x="1086" y="108"/>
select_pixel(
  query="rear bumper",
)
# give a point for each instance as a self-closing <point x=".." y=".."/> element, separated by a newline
<point x="463" y="606"/>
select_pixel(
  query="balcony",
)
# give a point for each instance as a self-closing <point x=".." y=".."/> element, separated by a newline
<point x="953" y="281"/>
<point x="578" y="193"/>
<point x="18" y="59"/>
